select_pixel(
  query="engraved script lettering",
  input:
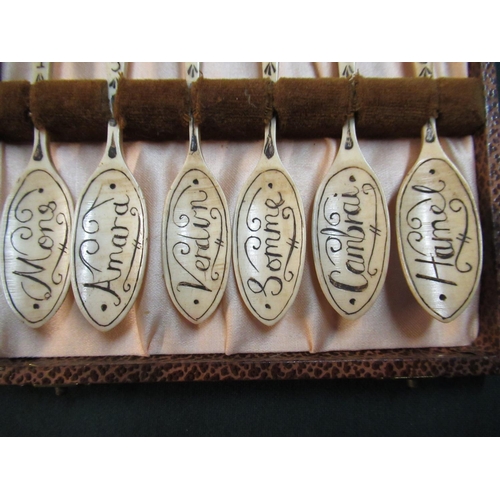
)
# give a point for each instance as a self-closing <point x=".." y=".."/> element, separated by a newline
<point x="351" y="238"/>
<point x="196" y="244"/>
<point x="269" y="243"/>
<point x="440" y="240"/>
<point x="109" y="245"/>
<point x="37" y="226"/>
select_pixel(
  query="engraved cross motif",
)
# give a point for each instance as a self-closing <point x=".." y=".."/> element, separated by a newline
<point x="192" y="71"/>
<point x="348" y="71"/>
<point x="426" y="71"/>
<point x="40" y="72"/>
<point x="270" y="69"/>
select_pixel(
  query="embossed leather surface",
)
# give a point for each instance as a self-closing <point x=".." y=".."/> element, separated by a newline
<point x="154" y="326"/>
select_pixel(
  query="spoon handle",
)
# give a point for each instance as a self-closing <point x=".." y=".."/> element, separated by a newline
<point x="270" y="70"/>
<point x="429" y="130"/>
<point x="192" y="73"/>
<point x="40" y="71"/>
<point x="348" y="141"/>
<point x="425" y="69"/>
<point x="347" y="69"/>
<point x="115" y="71"/>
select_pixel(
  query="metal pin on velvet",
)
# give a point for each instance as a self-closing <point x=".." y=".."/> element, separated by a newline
<point x="269" y="232"/>
<point x="438" y="230"/>
<point x="351" y="235"/>
<point x="110" y="238"/>
<point x="36" y="230"/>
<point x="196" y="235"/>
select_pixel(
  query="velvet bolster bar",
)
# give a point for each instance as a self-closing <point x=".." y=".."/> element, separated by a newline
<point x="239" y="109"/>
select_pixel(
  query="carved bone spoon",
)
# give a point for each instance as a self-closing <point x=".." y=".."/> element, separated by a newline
<point x="269" y="232"/>
<point x="110" y="238"/>
<point x="36" y="231"/>
<point x="438" y="229"/>
<point x="196" y="231"/>
<point x="351" y="234"/>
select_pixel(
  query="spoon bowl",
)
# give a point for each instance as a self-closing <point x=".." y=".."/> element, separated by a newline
<point x="110" y="238"/>
<point x="36" y="229"/>
<point x="438" y="230"/>
<point x="269" y="233"/>
<point x="196" y="233"/>
<point x="351" y="234"/>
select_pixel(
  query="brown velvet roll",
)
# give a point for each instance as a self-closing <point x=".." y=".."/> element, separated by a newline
<point x="312" y="107"/>
<point x="394" y="107"/>
<point x="71" y="110"/>
<point x="239" y="109"/>
<point x="235" y="109"/>
<point x="153" y="110"/>
<point x="461" y="106"/>
<point x="15" y="121"/>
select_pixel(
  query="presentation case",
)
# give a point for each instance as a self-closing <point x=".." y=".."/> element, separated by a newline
<point x="480" y="358"/>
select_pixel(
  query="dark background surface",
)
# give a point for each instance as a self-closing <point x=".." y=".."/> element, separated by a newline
<point x="435" y="407"/>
